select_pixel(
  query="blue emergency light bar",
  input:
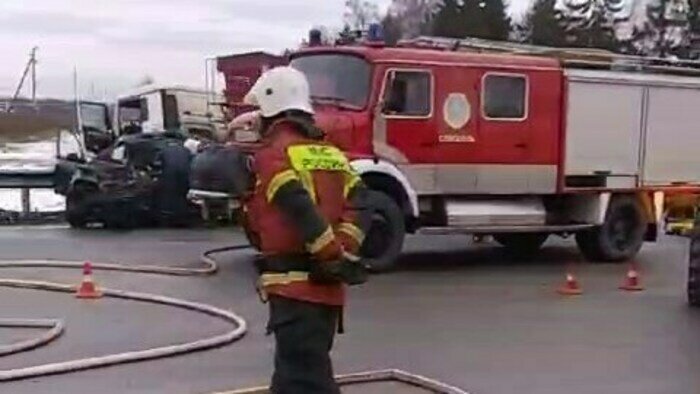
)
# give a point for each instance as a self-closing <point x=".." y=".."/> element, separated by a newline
<point x="374" y="36"/>
<point x="375" y="33"/>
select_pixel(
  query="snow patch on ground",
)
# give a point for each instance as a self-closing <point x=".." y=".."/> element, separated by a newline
<point x="41" y="201"/>
<point x="39" y="156"/>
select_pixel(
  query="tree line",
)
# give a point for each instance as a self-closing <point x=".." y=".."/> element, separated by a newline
<point x="660" y="28"/>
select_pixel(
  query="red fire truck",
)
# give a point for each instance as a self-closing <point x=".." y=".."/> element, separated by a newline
<point x="517" y="142"/>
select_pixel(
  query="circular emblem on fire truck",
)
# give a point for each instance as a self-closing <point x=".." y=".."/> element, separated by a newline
<point x="457" y="110"/>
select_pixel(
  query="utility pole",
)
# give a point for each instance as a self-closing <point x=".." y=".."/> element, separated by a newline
<point x="33" y="62"/>
<point x="29" y="71"/>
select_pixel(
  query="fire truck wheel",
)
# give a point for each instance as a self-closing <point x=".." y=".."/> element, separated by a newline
<point x="621" y="235"/>
<point x="384" y="240"/>
<point x="521" y="244"/>
<point x="694" y="266"/>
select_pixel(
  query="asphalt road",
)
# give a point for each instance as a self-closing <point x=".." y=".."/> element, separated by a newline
<point x="467" y="315"/>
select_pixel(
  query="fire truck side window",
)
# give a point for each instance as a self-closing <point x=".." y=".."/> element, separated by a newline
<point x="408" y="94"/>
<point x="505" y="97"/>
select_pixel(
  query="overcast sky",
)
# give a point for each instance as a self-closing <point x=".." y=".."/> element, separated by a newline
<point x="115" y="43"/>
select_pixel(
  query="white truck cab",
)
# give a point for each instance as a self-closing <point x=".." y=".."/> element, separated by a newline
<point x="156" y="109"/>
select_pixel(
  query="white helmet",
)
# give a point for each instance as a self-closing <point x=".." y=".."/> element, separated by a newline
<point x="278" y="90"/>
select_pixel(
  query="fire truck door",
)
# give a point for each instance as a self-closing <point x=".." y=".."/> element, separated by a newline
<point x="457" y="138"/>
<point x="484" y="140"/>
<point x="406" y="114"/>
<point x="504" y="128"/>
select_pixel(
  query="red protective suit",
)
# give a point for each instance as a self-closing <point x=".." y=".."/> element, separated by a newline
<point x="301" y="211"/>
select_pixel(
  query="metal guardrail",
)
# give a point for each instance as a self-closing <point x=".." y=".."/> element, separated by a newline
<point x="27" y="179"/>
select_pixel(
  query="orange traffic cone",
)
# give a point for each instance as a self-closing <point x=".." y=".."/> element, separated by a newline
<point x="632" y="282"/>
<point x="571" y="286"/>
<point x="87" y="288"/>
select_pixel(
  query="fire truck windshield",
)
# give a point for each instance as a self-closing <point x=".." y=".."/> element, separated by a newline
<point x="343" y="80"/>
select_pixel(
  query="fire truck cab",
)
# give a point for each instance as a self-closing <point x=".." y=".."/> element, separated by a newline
<point x="475" y="137"/>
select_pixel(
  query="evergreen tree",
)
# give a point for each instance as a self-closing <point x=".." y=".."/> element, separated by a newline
<point x="359" y="14"/>
<point x="666" y="30"/>
<point x="411" y="18"/>
<point x="694" y="29"/>
<point x="450" y="20"/>
<point x="542" y="25"/>
<point x="393" y="30"/>
<point x="471" y="18"/>
<point x="591" y="23"/>
<point x="497" y="24"/>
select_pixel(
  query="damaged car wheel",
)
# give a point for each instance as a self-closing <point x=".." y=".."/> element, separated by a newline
<point x="78" y="208"/>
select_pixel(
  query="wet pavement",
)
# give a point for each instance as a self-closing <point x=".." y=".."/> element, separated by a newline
<point x="464" y="314"/>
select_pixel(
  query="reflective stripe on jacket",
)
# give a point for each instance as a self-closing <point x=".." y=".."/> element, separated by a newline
<point x="302" y="204"/>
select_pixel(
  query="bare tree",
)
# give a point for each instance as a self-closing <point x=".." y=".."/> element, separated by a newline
<point x="146" y="80"/>
<point x="359" y="14"/>
<point x="412" y="16"/>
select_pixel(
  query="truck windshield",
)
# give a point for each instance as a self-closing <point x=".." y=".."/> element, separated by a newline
<point x="342" y="79"/>
<point x="94" y="117"/>
<point x="132" y="113"/>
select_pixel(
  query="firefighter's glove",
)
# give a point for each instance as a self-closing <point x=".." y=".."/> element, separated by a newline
<point x="349" y="270"/>
<point x="353" y="270"/>
<point x="326" y="272"/>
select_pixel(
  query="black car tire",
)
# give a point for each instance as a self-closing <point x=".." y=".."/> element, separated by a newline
<point x="76" y="211"/>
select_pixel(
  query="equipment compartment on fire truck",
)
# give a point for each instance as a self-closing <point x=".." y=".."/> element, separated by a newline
<point x="517" y="142"/>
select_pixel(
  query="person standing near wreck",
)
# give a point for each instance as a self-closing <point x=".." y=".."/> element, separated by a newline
<point x="308" y="215"/>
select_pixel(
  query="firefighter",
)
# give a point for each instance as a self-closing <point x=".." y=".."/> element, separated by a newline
<point x="307" y="215"/>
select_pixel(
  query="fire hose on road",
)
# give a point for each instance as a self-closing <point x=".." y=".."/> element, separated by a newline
<point x="210" y="265"/>
<point x="55" y="328"/>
